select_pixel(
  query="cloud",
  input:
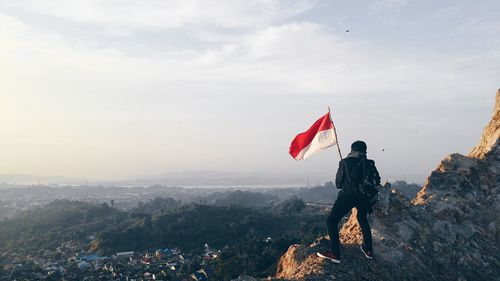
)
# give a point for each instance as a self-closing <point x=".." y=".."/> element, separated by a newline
<point x="153" y="14"/>
<point x="388" y="4"/>
<point x="302" y="58"/>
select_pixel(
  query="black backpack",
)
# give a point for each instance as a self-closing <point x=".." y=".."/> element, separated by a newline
<point x="367" y="187"/>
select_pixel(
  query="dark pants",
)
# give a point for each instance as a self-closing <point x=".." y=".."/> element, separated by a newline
<point x="342" y="206"/>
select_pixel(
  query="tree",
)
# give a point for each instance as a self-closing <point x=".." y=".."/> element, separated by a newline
<point x="291" y="206"/>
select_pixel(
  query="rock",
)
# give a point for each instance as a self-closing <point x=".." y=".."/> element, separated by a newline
<point x="406" y="229"/>
<point x="444" y="230"/>
<point x="491" y="133"/>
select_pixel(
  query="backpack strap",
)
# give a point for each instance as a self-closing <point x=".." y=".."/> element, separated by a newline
<point x="364" y="171"/>
<point x="347" y="174"/>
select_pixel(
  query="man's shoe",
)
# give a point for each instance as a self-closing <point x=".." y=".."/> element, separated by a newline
<point x="329" y="256"/>
<point x="368" y="254"/>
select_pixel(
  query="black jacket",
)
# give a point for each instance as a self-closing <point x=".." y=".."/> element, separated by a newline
<point x="351" y="173"/>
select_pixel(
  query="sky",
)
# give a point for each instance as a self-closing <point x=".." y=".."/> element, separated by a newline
<point x="107" y="89"/>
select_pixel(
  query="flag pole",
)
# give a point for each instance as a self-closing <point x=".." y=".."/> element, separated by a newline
<point x="335" y="132"/>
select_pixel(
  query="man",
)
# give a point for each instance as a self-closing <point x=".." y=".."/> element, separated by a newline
<point x="354" y="170"/>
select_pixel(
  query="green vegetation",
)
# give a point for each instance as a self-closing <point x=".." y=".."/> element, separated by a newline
<point x="240" y="232"/>
<point x="59" y="221"/>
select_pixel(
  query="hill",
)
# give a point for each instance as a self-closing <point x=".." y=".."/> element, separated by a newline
<point x="449" y="231"/>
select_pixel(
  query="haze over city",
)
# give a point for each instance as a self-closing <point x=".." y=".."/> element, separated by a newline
<point x="118" y="90"/>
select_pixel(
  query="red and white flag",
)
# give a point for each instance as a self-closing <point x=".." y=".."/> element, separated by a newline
<point x="320" y="136"/>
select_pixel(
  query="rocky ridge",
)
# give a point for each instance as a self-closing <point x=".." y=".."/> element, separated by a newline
<point x="490" y="134"/>
<point x="449" y="231"/>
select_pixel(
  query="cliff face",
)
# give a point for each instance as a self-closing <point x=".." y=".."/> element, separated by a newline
<point x="449" y="231"/>
<point x="490" y="134"/>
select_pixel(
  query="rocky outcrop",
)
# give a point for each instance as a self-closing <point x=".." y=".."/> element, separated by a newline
<point x="490" y="134"/>
<point x="449" y="231"/>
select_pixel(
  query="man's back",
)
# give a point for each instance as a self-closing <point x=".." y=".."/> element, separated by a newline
<point x="353" y="170"/>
